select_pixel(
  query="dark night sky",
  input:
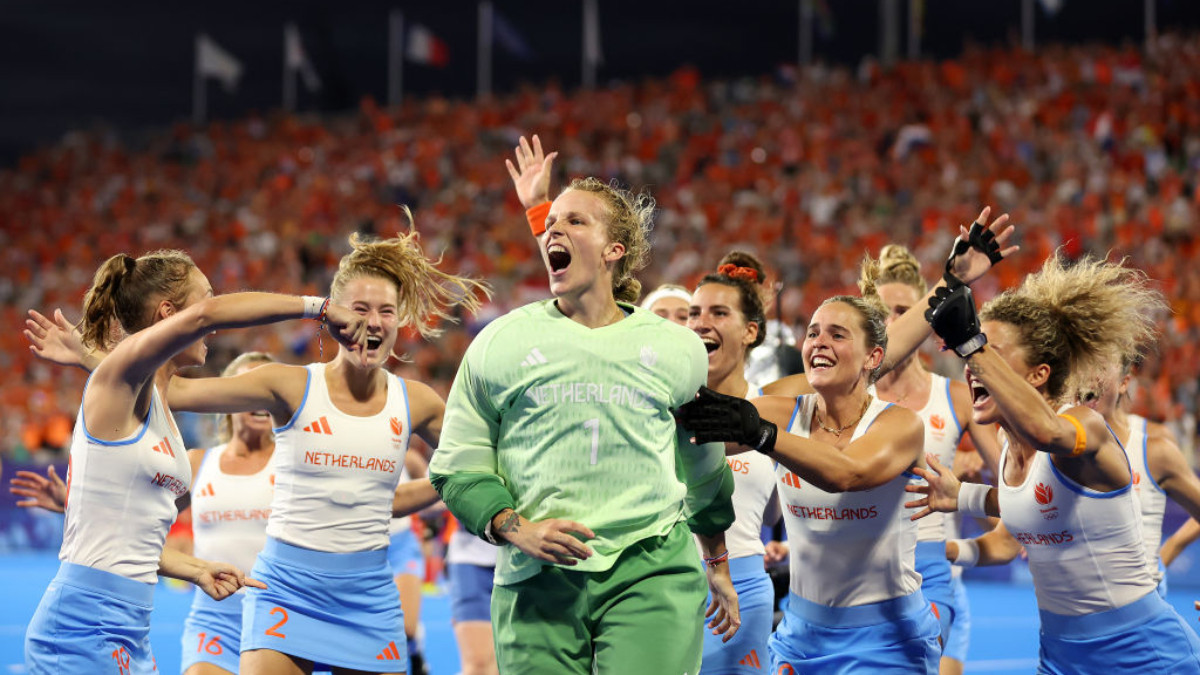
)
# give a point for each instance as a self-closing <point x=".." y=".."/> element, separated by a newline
<point x="74" y="63"/>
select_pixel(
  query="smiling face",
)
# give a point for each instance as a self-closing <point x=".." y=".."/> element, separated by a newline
<point x="198" y="289"/>
<point x="715" y="316"/>
<point x="672" y="309"/>
<point x="577" y="249"/>
<point x="376" y="299"/>
<point x="836" y="347"/>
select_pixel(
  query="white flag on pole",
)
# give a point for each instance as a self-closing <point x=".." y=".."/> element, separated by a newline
<point x="592" y="52"/>
<point x="213" y="61"/>
<point x="297" y="59"/>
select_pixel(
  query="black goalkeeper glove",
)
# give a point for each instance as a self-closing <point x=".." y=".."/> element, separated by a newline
<point x="717" y="418"/>
<point x="981" y="238"/>
<point x="952" y="315"/>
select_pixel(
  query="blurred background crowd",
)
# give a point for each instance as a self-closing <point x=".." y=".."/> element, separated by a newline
<point x="1091" y="149"/>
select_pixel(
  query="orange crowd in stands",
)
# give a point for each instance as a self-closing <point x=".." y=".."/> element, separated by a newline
<point x="1092" y="149"/>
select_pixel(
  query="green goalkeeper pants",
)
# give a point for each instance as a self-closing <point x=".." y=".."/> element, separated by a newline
<point x="643" y="616"/>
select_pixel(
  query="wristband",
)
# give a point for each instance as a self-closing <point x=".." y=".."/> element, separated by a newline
<point x="717" y="560"/>
<point x="972" y="499"/>
<point x="1080" y="436"/>
<point x="971" y="346"/>
<point x="767" y="433"/>
<point x="314" y="306"/>
<point x="536" y="215"/>
<point x="968" y="553"/>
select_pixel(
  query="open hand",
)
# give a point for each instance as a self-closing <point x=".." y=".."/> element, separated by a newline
<point x="531" y="175"/>
<point x="49" y="493"/>
<point x="981" y="247"/>
<point x="940" y="489"/>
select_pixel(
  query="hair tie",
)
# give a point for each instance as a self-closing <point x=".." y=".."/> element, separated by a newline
<point x="737" y="272"/>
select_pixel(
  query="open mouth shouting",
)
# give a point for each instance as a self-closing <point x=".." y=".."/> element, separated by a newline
<point x="558" y="258"/>
<point x="374" y="342"/>
<point x="980" y="396"/>
<point x="710" y="345"/>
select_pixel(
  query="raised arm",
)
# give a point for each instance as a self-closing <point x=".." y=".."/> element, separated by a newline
<point x="58" y="341"/>
<point x="531" y="179"/>
<point x="117" y="386"/>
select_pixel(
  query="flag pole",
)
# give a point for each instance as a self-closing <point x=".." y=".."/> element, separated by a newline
<point x="806" y="32"/>
<point x="289" y="74"/>
<point x="395" y="57"/>
<point x="198" y="102"/>
<point x="483" y="83"/>
<point x="1027" y="24"/>
<point x="590" y="34"/>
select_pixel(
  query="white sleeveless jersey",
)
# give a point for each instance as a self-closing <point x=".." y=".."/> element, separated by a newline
<point x="753" y="489"/>
<point x="1151" y="498"/>
<point x="849" y="548"/>
<point x="466" y="548"/>
<point x="1085" y="547"/>
<point x="942" y="434"/>
<point x="121" y="495"/>
<point x="229" y="512"/>
<point x="336" y="474"/>
<point x="403" y="524"/>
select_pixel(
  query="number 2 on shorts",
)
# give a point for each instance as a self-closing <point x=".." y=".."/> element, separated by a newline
<point x="594" y="425"/>
<point x="273" y="631"/>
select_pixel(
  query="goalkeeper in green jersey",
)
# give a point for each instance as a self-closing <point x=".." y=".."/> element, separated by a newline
<point x="559" y="444"/>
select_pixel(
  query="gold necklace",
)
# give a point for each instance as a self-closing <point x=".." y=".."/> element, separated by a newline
<point x="838" y="431"/>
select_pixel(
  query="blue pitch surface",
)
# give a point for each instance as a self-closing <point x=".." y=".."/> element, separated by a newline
<point x="1004" y="625"/>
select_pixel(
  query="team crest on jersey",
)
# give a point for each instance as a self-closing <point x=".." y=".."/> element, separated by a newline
<point x="937" y="422"/>
<point x="1044" y="494"/>
<point x="1137" y="478"/>
<point x="648" y="357"/>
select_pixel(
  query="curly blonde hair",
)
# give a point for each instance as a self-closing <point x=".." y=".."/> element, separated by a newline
<point x="1078" y="318"/>
<point x="423" y="291"/>
<point x="629" y="222"/>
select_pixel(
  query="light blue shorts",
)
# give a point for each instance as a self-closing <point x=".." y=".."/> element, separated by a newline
<point x="212" y="632"/>
<point x="960" y="633"/>
<point x="404" y="555"/>
<point x="91" y="621"/>
<point x="747" y="652"/>
<point x="894" y="637"/>
<point x="1145" y="636"/>
<point x="470" y="592"/>
<point x="334" y="609"/>
<point x="935" y="583"/>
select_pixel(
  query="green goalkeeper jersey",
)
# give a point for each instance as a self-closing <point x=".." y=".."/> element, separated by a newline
<point x="557" y="420"/>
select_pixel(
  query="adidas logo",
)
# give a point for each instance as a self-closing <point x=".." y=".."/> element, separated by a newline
<point x="535" y="358"/>
<point x="751" y="660"/>
<point x="320" y="426"/>
<point x="792" y="480"/>
<point x="165" y="447"/>
<point x="389" y="653"/>
<point x="206" y="491"/>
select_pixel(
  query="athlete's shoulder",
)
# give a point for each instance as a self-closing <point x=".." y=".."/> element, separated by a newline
<point x="516" y="320"/>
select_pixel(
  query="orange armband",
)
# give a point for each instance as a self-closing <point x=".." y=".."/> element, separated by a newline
<point x="1080" y="436"/>
<point x="537" y="218"/>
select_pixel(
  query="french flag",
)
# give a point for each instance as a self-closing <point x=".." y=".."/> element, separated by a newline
<point x="425" y="47"/>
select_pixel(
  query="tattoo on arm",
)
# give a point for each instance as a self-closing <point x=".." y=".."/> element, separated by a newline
<point x="510" y="524"/>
